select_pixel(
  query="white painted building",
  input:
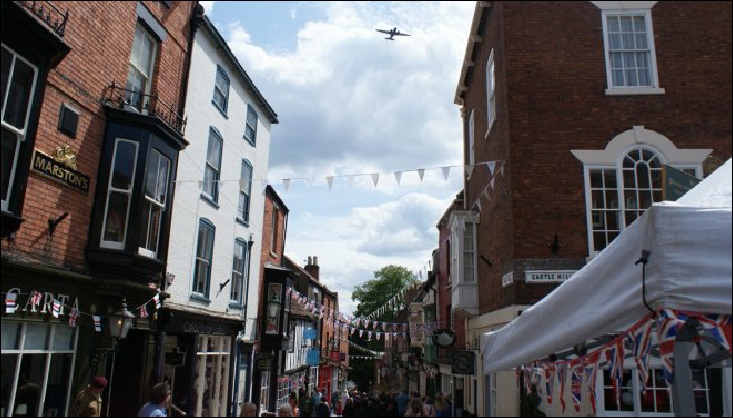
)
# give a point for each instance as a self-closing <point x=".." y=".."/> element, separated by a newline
<point x="216" y="230"/>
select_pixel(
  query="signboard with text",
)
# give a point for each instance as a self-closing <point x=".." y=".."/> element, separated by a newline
<point x="547" y="276"/>
<point x="463" y="362"/>
<point x="675" y="183"/>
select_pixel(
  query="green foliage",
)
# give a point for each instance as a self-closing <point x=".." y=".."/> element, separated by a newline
<point x="372" y="295"/>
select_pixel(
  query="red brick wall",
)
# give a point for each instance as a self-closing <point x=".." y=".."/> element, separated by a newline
<point x="100" y="35"/>
<point x="551" y="81"/>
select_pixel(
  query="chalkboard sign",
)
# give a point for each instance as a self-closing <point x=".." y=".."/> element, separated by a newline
<point x="675" y="183"/>
<point x="463" y="362"/>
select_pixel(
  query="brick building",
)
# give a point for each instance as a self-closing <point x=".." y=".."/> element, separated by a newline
<point x="93" y="94"/>
<point x="574" y="109"/>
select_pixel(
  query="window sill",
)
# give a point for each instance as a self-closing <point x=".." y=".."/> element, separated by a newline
<point x="210" y="200"/>
<point x="222" y="111"/>
<point x="236" y="305"/>
<point x="242" y="221"/>
<point x="253" y="143"/>
<point x="634" y="91"/>
<point x="198" y="297"/>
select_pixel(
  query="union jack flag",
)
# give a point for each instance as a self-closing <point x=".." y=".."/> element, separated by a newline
<point x="720" y="328"/>
<point x="591" y="369"/>
<point x="156" y="298"/>
<point x="641" y="343"/>
<point x="73" y="316"/>
<point x="576" y="384"/>
<point x="549" y="381"/>
<point x="36" y="297"/>
<point x="668" y="324"/>
<point x="561" y="377"/>
<point x="144" y="311"/>
<point x="527" y="372"/>
<point x="10" y="304"/>
<point x="615" y="357"/>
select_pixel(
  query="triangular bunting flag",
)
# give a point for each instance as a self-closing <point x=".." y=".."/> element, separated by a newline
<point x="490" y="165"/>
<point x="286" y="184"/>
<point x="501" y="169"/>
<point x="469" y="170"/>
<point x="446" y="171"/>
<point x="398" y="176"/>
<point x="201" y="185"/>
<point x="73" y="316"/>
<point x="421" y="173"/>
<point x="10" y="302"/>
<point x="56" y="308"/>
<point x="143" y="311"/>
<point x="375" y="179"/>
<point x="329" y="180"/>
<point x="97" y="323"/>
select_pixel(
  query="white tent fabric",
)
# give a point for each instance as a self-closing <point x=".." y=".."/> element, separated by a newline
<point x="689" y="268"/>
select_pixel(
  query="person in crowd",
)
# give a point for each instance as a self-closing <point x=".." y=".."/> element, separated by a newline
<point x="158" y="401"/>
<point x="439" y="405"/>
<point x="306" y="404"/>
<point x="348" y="411"/>
<point x="285" y="411"/>
<point x="428" y="407"/>
<point x="403" y="401"/>
<point x="293" y="402"/>
<point x="322" y="410"/>
<point x="415" y="409"/>
<point x="88" y="402"/>
<point x="448" y="406"/>
<point x="249" y="409"/>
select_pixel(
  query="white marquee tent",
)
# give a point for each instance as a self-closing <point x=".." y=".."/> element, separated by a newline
<point x="689" y="269"/>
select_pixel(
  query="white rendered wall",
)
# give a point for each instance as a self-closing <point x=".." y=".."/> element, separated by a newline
<point x="189" y="206"/>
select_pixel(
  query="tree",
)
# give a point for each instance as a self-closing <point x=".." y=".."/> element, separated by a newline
<point x="372" y="295"/>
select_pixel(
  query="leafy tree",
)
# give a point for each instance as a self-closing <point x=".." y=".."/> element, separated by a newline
<point x="372" y="295"/>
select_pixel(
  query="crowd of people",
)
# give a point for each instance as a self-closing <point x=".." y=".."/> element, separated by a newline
<point x="343" y="404"/>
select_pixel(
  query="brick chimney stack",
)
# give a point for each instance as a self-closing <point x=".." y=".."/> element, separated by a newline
<point x="312" y="268"/>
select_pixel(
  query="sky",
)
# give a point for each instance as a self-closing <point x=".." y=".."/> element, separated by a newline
<point x="356" y="108"/>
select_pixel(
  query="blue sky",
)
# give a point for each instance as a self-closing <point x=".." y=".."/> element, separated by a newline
<point x="352" y="104"/>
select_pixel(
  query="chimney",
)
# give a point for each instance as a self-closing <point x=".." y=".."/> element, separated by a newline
<point x="312" y="267"/>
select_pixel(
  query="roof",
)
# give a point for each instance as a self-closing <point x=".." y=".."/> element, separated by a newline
<point x="261" y="102"/>
<point x="473" y="39"/>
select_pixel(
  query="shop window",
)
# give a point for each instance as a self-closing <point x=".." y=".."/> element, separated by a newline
<point x="211" y="381"/>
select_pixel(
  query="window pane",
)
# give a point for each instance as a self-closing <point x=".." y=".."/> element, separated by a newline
<point x="596" y="177"/>
<point x="116" y="223"/>
<point x="58" y="379"/>
<point x="63" y="338"/>
<point x="9" y="149"/>
<point x="124" y="165"/>
<point x="9" y="362"/>
<point x="19" y="94"/>
<point x="36" y="336"/>
<point x="11" y="335"/>
<point x="30" y="381"/>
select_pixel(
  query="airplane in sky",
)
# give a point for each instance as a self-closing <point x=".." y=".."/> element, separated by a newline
<point x="392" y="33"/>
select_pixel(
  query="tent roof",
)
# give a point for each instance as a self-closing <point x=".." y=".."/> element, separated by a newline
<point x="689" y="268"/>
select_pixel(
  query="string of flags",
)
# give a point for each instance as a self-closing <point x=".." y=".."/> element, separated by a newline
<point x="56" y="306"/>
<point x="583" y="369"/>
<point x="375" y="177"/>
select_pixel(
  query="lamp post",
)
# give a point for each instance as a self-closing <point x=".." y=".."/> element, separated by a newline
<point x="273" y="316"/>
<point x="119" y="325"/>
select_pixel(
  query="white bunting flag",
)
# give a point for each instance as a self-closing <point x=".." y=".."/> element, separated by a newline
<point x="56" y="308"/>
<point x="375" y="179"/>
<point x="97" y="323"/>
<point x="469" y="170"/>
<point x="286" y="184"/>
<point x="329" y="180"/>
<point x="490" y="165"/>
<point x="446" y="171"/>
<point x="421" y="173"/>
<point x="398" y="176"/>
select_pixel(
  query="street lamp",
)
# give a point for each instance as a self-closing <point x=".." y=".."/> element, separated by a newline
<point x="273" y="316"/>
<point x="119" y="325"/>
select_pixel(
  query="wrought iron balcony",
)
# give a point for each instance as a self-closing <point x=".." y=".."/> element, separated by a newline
<point x="49" y="14"/>
<point x="144" y="104"/>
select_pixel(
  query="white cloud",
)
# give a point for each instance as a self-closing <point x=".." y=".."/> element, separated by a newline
<point x="351" y="102"/>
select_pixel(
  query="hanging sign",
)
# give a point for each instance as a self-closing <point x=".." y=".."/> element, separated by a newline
<point x="463" y="362"/>
<point x="444" y="338"/>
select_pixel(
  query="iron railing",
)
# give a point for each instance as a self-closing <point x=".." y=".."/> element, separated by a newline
<point x="146" y="104"/>
<point x="49" y="14"/>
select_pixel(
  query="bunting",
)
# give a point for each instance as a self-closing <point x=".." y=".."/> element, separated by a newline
<point x="576" y="384"/>
<point x="73" y="316"/>
<point x="56" y="308"/>
<point x="97" y="323"/>
<point x="10" y="302"/>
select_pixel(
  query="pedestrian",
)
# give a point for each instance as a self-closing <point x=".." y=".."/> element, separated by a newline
<point x="415" y="409"/>
<point x="158" y="401"/>
<point x="249" y="409"/>
<point x="403" y="401"/>
<point x="88" y="402"/>
<point x="322" y="410"/>
<point x="285" y="411"/>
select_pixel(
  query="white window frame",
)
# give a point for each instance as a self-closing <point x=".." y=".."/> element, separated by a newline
<point x="136" y="66"/>
<point x="490" y="93"/>
<point x="19" y="350"/>
<point x="250" y="128"/>
<point x="611" y="158"/>
<point x="612" y="89"/>
<point x="119" y="245"/>
<point x="158" y="201"/>
<point x="18" y="131"/>
<point x="206" y="259"/>
<point x="245" y="191"/>
<point x="212" y="172"/>
<point x="238" y="275"/>
<point x="461" y="222"/>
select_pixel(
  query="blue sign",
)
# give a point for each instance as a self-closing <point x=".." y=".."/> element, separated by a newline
<point x="309" y="334"/>
<point x="313" y="357"/>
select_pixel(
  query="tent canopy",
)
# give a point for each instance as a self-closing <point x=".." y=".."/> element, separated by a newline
<point x="688" y="268"/>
